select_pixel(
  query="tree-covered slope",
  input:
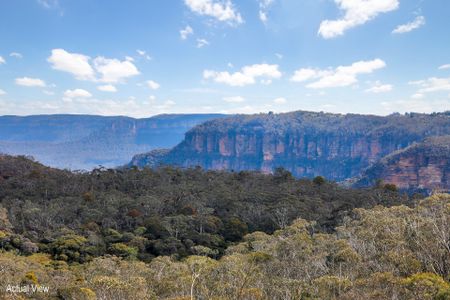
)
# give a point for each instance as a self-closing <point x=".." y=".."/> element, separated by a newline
<point x="398" y="253"/>
<point x="166" y="211"/>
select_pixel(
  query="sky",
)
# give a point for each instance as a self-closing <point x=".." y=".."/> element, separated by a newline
<point x="146" y="57"/>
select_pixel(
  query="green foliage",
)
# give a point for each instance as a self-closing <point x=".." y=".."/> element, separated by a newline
<point x="76" y="216"/>
<point x="375" y="254"/>
<point x="124" y="251"/>
<point x="319" y="180"/>
<point x="391" y="187"/>
<point x="70" y="248"/>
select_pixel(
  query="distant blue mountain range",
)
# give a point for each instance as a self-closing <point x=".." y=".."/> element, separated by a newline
<point x="86" y="141"/>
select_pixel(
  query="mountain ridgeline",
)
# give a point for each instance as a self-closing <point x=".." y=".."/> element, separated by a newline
<point x="86" y="141"/>
<point x="307" y="144"/>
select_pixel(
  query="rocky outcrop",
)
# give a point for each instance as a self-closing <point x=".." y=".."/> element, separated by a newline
<point x="151" y="158"/>
<point x="305" y="143"/>
<point x="422" y="166"/>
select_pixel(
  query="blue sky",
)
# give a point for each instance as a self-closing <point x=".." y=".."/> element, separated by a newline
<point x="145" y="57"/>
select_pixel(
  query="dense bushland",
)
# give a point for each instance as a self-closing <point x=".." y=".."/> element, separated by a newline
<point x="144" y="214"/>
<point x="380" y="253"/>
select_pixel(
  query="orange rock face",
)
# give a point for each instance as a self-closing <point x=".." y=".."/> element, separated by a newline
<point x="422" y="166"/>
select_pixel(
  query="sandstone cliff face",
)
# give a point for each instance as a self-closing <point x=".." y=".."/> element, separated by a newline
<point x="422" y="166"/>
<point x="307" y="144"/>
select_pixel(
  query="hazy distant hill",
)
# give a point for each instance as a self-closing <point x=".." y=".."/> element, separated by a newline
<point x="86" y="141"/>
<point x="305" y="143"/>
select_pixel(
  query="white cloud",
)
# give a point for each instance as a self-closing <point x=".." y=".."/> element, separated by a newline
<point x="378" y="87"/>
<point x="114" y="70"/>
<point x="235" y="99"/>
<point x="280" y="100"/>
<point x="306" y="74"/>
<point x="201" y="43"/>
<point x="246" y="76"/>
<point x="30" y="82"/>
<point x="433" y="84"/>
<point x="2" y="60"/>
<point x="143" y="54"/>
<point x="263" y="9"/>
<point x="108" y="107"/>
<point x="77" y="93"/>
<point x="74" y="63"/>
<point x="79" y="65"/>
<point x="49" y="3"/>
<point x="107" y="88"/>
<point x="339" y="77"/>
<point x="2" y="92"/>
<point x="153" y="85"/>
<point x="222" y="10"/>
<point x="186" y="32"/>
<point x="16" y="55"/>
<point x="444" y="67"/>
<point x="417" y="23"/>
<point x="417" y="96"/>
<point x="356" y="12"/>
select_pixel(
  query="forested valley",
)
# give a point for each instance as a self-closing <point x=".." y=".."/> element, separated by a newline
<point x="173" y="233"/>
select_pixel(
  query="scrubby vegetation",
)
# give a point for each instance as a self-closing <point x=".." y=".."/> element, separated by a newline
<point x="190" y="234"/>
<point x="135" y="214"/>
<point x="380" y="253"/>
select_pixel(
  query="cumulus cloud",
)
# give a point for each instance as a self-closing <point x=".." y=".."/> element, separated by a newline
<point x="444" y="67"/>
<point x="2" y="60"/>
<point x="15" y="54"/>
<point x="432" y="84"/>
<point x="356" y="12"/>
<point x="79" y="65"/>
<point x="246" y="76"/>
<point x="153" y="84"/>
<point x="74" y="63"/>
<point x="107" y="88"/>
<point x="202" y="43"/>
<point x="378" y="87"/>
<point x="222" y="10"/>
<point x="114" y="70"/>
<point x="186" y="32"/>
<point x="76" y="93"/>
<point x="417" y="23"/>
<point x="30" y="82"/>
<point x="235" y="99"/>
<point x="339" y="77"/>
<point x="2" y="92"/>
